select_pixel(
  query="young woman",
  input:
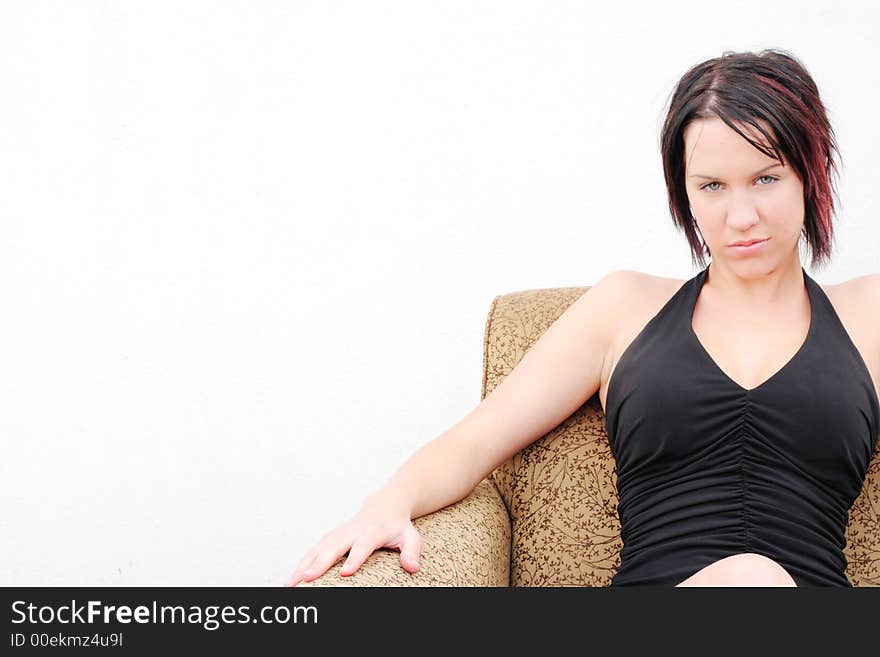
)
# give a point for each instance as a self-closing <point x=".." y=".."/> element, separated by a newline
<point x="741" y="404"/>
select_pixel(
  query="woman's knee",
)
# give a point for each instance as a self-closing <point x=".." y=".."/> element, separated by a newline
<point x="744" y="569"/>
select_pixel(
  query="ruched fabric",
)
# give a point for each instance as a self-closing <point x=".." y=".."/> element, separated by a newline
<point x="707" y="469"/>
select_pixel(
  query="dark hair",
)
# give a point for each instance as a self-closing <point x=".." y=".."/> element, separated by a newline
<point x="773" y="87"/>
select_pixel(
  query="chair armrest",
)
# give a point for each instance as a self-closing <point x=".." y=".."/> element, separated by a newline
<point x="464" y="544"/>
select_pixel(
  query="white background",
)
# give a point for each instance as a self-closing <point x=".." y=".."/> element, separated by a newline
<point x="248" y="248"/>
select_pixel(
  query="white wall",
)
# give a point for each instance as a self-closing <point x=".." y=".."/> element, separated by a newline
<point x="248" y="248"/>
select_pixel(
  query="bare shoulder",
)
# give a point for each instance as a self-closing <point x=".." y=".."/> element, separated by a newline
<point x="603" y="304"/>
<point x="637" y="282"/>
<point x="861" y="293"/>
<point x="867" y="286"/>
<point x="625" y="297"/>
<point x="635" y="297"/>
<point x="646" y="287"/>
<point x="610" y="303"/>
<point x="624" y="293"/>
<point x="857" y="302"/>
<point x="636" y="292"/>
<point x="867" y="283"/>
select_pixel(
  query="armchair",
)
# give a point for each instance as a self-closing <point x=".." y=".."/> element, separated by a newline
<point x="548" y="516"/>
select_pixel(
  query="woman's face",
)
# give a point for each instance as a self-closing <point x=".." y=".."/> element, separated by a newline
<point x="744" y="195"/>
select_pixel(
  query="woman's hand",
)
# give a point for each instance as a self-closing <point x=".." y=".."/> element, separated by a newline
<point x="381" y="522"/>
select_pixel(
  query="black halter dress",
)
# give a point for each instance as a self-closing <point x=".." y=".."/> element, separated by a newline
<point x="707" y="469"/>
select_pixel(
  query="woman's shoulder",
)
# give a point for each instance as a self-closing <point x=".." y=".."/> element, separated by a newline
<point x="640" y="278"/>
<point x="630" y="294"/>
<point x="866" y="284"/>
<point x="644" y="285"/>
<point x="857" y="302"/>
<point x="639" y="295"/>
<point x="860" y="294"/>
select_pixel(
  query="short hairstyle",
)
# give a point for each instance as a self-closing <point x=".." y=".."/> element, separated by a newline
<point x="773" y="87"/>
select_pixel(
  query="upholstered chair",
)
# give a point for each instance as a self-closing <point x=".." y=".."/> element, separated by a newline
<point x="548" y="516"/>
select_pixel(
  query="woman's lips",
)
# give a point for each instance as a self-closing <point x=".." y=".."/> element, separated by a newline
<point x="751" y="248"/>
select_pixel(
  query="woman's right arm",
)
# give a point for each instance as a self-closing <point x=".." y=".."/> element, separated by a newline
<point x="552" y="380"/>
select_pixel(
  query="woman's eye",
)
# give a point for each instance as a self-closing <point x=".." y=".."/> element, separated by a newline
<point x="772" y="178"/>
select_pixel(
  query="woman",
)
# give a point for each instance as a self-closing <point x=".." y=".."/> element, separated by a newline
<point x="741" y="405"/>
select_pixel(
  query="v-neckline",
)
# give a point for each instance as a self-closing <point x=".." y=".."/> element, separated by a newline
<point x="701" y="279"/>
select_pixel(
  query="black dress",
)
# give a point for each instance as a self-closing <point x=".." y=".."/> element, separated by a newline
<point x="707" y="469"/>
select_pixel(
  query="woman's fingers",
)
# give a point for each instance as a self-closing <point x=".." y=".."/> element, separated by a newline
<point x="306" y="564"/>
<point x="410" y="549"/>
<point x="357" y="555"/>
<point x="296" y="577"/>
<point x="306" y="560"/>
<point x="298" y="574"/>
<point x="360" y="540"/>
<point x="326" y="558"/>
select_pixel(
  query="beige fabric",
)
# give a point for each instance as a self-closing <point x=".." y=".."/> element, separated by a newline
<point x="548" y="516"/>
